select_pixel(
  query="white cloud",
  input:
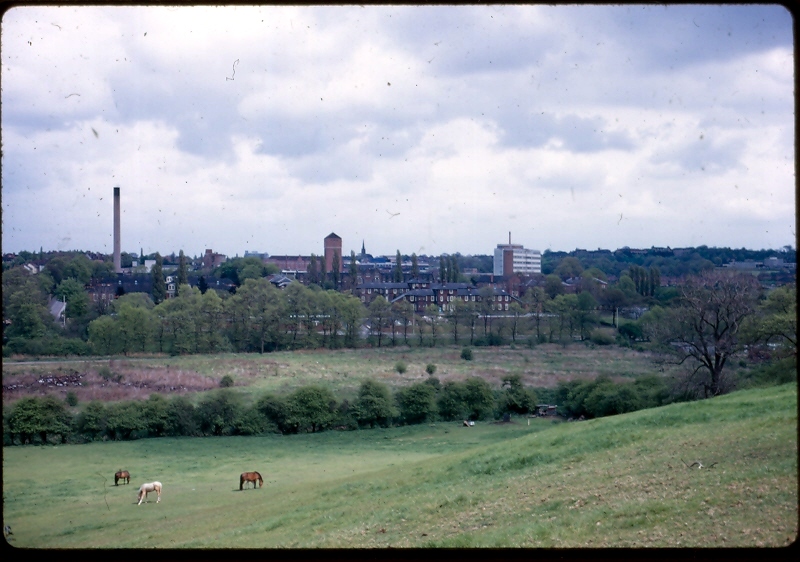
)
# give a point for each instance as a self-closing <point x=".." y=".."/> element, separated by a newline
<point x="428" y="129"/>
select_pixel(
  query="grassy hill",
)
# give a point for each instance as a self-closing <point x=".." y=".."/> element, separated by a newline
<point x="610" y="482"/>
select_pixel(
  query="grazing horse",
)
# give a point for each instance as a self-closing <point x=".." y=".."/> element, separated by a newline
<point x="250" y="477"/>
<point x="122" y="475"/>
<point x="145" y="489"/>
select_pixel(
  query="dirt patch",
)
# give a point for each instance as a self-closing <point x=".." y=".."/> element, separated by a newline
<point x="119" y="382"/>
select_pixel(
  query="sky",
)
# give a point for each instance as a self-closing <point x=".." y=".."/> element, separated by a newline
<point x="425" y="129"/>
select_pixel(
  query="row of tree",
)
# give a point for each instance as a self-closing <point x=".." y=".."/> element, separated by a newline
<point x="223" y="412"/>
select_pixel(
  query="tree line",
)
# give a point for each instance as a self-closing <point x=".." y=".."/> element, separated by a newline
<point x="310" y="408"/>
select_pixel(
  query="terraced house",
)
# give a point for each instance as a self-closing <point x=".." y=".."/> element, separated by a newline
<point x="422" y="294"/>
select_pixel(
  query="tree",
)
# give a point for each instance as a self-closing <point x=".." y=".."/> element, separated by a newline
<point x="313" y="270"/>
<point x="778" y="319"/>
<point x="183" y="273"/>
<point x="417" y="403"/>
<point x="352" y="314"/>
<point x="705" y="327"/>
<point x="92" y="420"/>
<point x="159" y="283"/>
<point x="397" y="270"/>
<point x="404" y="311"/>
<point x="217" y="413"/>
<point x="76" y="297"/>
<point x="135" y="327"/>
<point x="123" y="419"/>
<point x="353" y="274"/>
<point x="478" y="398"/>
<point x="310" y="407"/>
<point x="374" y="404"/>
<point x="336" y="269"/>
<point x="535" y="299"/>
<point x="432" y="312"/>
<point x="452" y="269"/>
<point x="379" y="315"/>
<point x="569" y="267"/>
<point x="414" y="267"/>
<point x="202" y="284"/>
<point x="553" y="286"/>
<point x="516" y="398"/>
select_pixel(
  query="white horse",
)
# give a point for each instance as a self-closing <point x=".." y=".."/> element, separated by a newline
<point x="145" y="489"/>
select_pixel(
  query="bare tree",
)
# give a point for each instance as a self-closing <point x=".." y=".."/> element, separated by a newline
<point x="705" y="328"/>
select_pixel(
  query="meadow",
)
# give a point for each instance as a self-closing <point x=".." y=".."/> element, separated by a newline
<point x="619" y="481"/>
<point x="341" y="370"/>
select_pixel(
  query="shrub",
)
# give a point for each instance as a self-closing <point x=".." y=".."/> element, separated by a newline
<point x="274" y="409"/>
<point x="124" y="419"/>
<point x="226" y="381"/>
<point x="601" y="337"/>
<point x="479" y="398"/>
<point x="181" y="419"/>
<point x="310" y="407"/>
<point x="91" y="421"/>
<point x="451" y="401"/>
<point x="374" y="404"/>
<point x="515" y="398"/>
<point x="400" y="367"/>
<point x="218" y="412"/>
<point x="417" y="403"/>
<point x="251" y="422"/>
<point x="430" y="368"/>
<point x="466" y="354"/>
<point x="72" y="399"/>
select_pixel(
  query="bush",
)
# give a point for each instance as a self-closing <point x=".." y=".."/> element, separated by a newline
<point x="274" y="409"/>
<point x="251" y="422"/>
<point x="218" y="412"/>
<point x="310" y="407"/>
<point x="451" y="403"/>
<point x="466" y="354"/>
<point x="430" y="368"/>
<point x="181" y="418"/>
<point x="601" y="337"/>
<point x="374" y="404"/>
<point x="417" y="403"/>
<point x="226" y="381"/>
<point x="400" y="367"/>
<point x="72" y="399"/>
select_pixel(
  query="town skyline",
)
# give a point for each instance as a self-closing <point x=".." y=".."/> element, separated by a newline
<point x="428" y="129"/>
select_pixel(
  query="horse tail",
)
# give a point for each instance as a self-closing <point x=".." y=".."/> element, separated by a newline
<point x="241" y="481"/>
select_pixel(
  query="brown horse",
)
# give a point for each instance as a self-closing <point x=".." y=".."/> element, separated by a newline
<point x="122" y="475"/>
<point x="250" y="477"/>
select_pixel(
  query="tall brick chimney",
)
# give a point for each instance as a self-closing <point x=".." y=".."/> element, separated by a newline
<point x="117" y="253"/>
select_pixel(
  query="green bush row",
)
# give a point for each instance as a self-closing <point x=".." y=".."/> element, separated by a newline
<point x="224" y="412"/>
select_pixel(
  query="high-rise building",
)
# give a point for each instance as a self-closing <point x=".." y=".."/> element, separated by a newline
<point x="514" y="258"/>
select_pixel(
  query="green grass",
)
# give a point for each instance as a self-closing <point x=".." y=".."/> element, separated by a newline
<point x="343" y="370"/>
<point x="611" y="482"/>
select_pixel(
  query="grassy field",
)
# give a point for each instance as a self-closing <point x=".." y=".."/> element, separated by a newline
<point x="341" y="370"/>
<point x="610" y="482"/>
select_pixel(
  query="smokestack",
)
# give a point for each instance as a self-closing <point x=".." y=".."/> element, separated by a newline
<point x="509" y="237"/>
<point x="117" y="253"/>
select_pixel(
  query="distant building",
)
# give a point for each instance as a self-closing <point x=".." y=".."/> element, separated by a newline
<point x="211" y="259"/>
<point x="514" y="258"/>
<point x="333" y="246"/>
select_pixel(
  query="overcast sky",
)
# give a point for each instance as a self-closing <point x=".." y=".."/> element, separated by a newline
<point x="433" y="129"/>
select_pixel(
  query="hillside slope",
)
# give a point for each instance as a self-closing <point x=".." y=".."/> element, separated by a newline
<point x="611" y="482"/>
